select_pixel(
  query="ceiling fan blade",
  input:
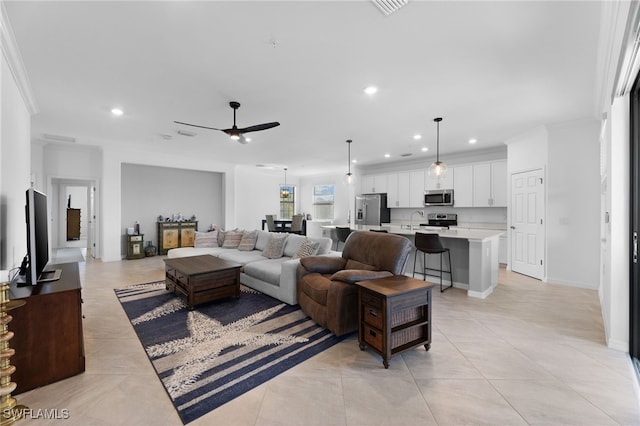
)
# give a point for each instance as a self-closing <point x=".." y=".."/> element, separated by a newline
<point x="258" y="127"/>
<point x="196" y="125"/>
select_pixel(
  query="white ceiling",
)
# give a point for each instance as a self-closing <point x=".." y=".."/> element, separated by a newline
<point x="492" y="70"/>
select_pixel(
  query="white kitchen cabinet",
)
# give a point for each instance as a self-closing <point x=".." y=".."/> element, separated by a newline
<point x="503" y="247"/>
<point x="482" y="185"/>
<point x="373" y="184"/>
<point x="443" y="183"/>
<point x="499" y="183"/>
<point x="416" y="198"/>
<point x="490" y="184"/>
<point x="463" y="186"/>
<point x="393" y="197"/>
<point x="367" y="186"/>
<point x="405" y="189"/>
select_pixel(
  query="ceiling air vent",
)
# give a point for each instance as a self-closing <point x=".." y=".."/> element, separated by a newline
<point x="389" y="6"/>
<point x="58" y="138"/>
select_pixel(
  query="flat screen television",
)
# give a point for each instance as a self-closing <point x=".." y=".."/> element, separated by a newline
<point x="37" y="241"/>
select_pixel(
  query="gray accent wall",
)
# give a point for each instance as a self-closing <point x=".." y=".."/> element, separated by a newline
<point x="150" y="191"/>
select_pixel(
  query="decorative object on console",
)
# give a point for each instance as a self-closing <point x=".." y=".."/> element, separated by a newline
<point x="438" y="169"/>
<point x="150" y="250"/>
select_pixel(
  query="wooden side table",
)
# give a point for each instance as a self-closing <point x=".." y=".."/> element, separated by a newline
<point x="394" y="314"/>
<point x="135" y="248"/>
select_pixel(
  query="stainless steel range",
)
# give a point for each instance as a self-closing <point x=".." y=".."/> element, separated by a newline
<point x="441" y="220"/>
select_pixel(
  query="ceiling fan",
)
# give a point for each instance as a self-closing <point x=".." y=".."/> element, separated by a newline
<point x="234" y="132"/>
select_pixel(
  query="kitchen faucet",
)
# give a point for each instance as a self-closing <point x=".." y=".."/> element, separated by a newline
<point x="420" y="212"/>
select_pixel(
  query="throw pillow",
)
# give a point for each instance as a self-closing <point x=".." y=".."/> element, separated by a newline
<point x="232" y="239"/>
<point x="275" y="246"/>
<point x="221" y="235"/>
<point x="248" y="241"/>
<point x="307" y="248"/>
<point x="206" y="239"/>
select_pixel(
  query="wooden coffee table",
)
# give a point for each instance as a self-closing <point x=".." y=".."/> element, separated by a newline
<point x="202" y="278"/>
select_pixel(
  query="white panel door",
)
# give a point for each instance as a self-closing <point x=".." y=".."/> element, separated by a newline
<point x="527" y="223"/>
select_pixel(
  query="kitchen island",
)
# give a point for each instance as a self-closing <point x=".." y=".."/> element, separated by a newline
<point x="474" y="255"/>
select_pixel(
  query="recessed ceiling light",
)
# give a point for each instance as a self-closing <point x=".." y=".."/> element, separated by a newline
<point x="387" y="155"/>
<point x="354" y="161"/>
<point x="424" y="149"/>
<point x="417" y="137"/>
<point x="472" y="141"/>
<point x="116" y="111"/>
<point x="247" y="139"/>
<point x="371" y="90"/>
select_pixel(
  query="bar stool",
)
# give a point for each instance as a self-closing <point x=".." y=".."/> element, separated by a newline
<point x="342" y="232"/>
<point x="431" y="244"/>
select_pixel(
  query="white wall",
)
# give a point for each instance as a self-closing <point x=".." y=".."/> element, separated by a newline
<point x="344" y="201"/>
<point x="116" y="154"/>
<point x="150" y="191"/>
<point x="15" y="152"/>
<point x="573" y="204"/>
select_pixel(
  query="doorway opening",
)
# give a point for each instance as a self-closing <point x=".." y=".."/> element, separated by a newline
<point x="74" y="218"/>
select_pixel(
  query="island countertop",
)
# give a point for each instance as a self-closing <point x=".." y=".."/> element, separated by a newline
<point x="462" y="233"/>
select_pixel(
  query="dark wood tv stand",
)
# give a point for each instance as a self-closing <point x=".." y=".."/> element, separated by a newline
<point x="48" y="330"/>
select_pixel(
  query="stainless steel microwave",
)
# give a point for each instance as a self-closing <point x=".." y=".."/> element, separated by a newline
<point x="439" y="197"/>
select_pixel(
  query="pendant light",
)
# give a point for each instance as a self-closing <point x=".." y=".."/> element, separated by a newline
<point x="438" y="170"/>
<point x="349" y="178"/>
<point x="284" y="192"/>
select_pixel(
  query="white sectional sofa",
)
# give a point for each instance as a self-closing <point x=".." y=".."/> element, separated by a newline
<point x="276" y="277"/>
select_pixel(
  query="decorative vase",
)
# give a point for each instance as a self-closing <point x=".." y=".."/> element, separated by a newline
<point x="150" y="250"/>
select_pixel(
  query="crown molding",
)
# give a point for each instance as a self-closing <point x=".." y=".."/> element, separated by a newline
<point x="12" y="55"/>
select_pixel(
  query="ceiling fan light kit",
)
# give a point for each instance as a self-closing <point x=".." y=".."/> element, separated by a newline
<point x="438" y="169"/>
<point x="234" y="132"/>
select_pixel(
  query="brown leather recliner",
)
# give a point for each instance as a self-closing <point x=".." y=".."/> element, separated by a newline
<point x="326" y="290"/>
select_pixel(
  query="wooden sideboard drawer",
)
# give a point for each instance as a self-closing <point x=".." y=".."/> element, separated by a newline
<point x="373" y="337"/>
<point x="373" y="316"/>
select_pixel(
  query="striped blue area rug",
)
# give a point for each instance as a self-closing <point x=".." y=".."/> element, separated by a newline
<point x="221" y="349"/>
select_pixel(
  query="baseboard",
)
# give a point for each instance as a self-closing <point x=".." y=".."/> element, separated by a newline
<point x="578" y="284"/>
<point x="481" y="295"/>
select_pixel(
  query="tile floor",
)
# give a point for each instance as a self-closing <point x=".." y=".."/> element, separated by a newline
<point x="531" y="353"/>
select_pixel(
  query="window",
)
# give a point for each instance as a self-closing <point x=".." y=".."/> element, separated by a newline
<point x="287" y="201"/>
<point x="323" y="196"/>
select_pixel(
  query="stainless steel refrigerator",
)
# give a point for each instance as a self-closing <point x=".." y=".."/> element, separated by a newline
<point x="371" y="209"/>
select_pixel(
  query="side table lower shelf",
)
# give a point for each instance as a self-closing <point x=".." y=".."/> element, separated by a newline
<point x="394" y="315"/>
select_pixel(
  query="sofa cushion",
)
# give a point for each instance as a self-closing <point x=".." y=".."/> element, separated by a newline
<point x="263" y="238"/>
<point x="293" y="244"/>
<point x="354" y="264"/>
<point x="307" y="248"/>
<point x="275" y="246"/>
<point x="206" y="239"/>
<point x="232" y="239"/>
<point x="316" y="287"/>
<point x="241" y="257"/>
<point x="268" y="270"/>
<point x="248" y="241"/>
<point x="354" y="275"/>
<point x="193" y="251"/>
